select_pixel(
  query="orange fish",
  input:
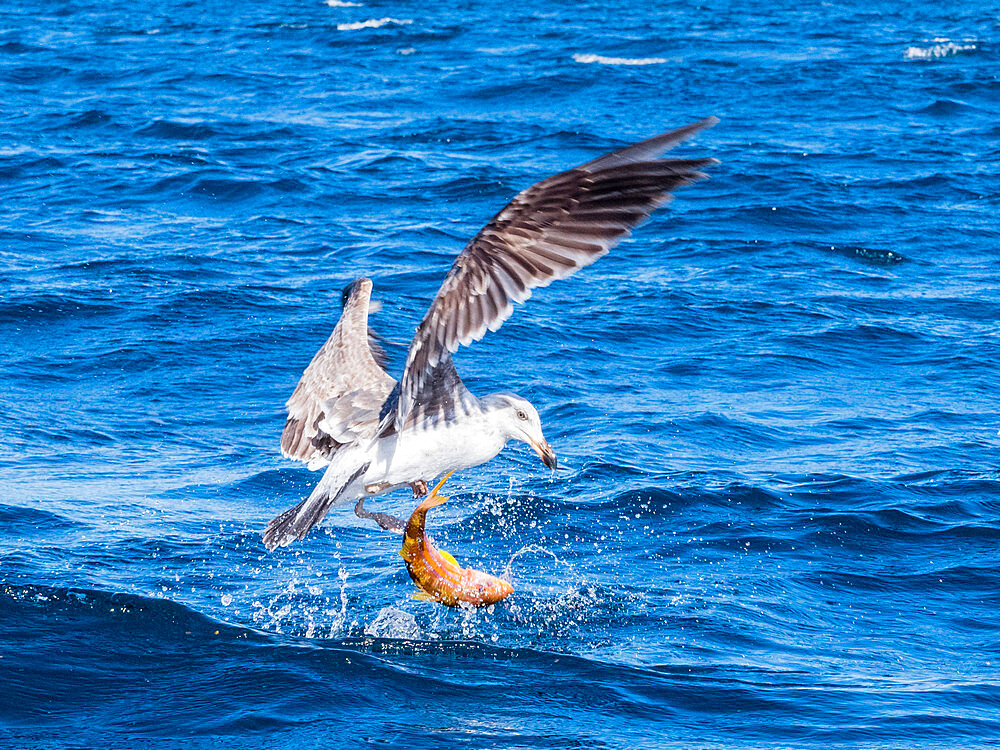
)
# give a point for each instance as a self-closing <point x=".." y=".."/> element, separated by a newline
<point x="437" y="574"/>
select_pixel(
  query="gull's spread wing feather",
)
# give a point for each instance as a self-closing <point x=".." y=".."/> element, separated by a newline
<point x="341" y="392"/>
<point x="547" y="232"/>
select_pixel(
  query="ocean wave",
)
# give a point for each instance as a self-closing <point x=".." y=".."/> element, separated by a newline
<point x="17" y="48"/>
<point x="208" y="184"/>
<point x="602" y="60"/>
<point x="942" y="48"/>
<point x="373" y="23"/>
<point x="89" y="118"/>
<point x="869" y="254"/>
<point x="36" y="74"/>
<point x="30" y="521"/>
<point x="342" y="4"/>
<point x="181" y="131"/>
<point x="941" y="108"/>
<point x="40" y="307"/>
<point x="84" y="617"/>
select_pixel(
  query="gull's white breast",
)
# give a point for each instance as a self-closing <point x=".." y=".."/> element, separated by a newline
<point x="425" y="454"/>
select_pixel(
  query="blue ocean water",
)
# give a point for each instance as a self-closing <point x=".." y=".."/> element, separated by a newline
<point x="776" y="522"/>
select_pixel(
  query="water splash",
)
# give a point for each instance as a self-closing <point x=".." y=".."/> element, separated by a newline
<point x="550" y="602"/>
<point x="528" y="549"/>
<point x="303" y="609"/>
<point x="341" y="616"/>
<point x="394" y="623"/>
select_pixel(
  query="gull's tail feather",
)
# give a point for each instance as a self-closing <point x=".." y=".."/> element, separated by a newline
<point x="295" y="522"/>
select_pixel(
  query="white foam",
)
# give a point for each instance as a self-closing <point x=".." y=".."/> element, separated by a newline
<point x="602" y="60"/>
<point x="944" y="48"/>
<point x="342" y="4"/>
<point x="373" y="23"/>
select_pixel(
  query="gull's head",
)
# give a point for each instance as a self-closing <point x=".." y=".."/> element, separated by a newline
<point x="519" y="420"/>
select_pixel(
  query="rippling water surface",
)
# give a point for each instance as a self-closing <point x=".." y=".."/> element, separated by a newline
<point x="777" y="518"/>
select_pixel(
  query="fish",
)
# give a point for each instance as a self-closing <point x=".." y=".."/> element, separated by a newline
<point x="437" y="574"/>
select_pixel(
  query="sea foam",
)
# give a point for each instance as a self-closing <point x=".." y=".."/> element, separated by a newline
<point x="942" y="48"/>
<point x="602" y="60"/>
<point x="373" y="23"/>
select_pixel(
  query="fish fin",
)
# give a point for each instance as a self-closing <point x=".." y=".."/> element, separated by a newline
<point x="423" y="596"/>
<point x="447" y="556"/>
<point x="439" y="485"/>
<point x="432" y="501"/>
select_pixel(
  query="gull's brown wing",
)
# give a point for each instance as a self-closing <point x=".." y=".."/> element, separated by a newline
<point x="341" y="392"/>
<point x="546" y="233"/>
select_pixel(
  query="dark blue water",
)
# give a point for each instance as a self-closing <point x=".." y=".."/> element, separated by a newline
<point x="777" y="407"/>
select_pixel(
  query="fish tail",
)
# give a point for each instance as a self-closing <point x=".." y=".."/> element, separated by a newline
<point x="439" y="485"/>
<point x="434" y="499"/>
<point x="431" y="501"/>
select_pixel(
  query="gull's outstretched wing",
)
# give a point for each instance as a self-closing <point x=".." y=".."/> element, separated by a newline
<point x="341" y="392"/>
<point x="546" y="233"/>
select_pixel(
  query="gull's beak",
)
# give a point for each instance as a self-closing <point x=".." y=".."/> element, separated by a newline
<point x="544" y="452"/>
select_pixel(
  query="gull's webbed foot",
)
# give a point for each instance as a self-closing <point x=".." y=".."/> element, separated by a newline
<point x="419" y="488"/>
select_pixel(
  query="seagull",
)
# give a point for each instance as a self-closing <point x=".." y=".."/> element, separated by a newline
<point x="376" y="434"/>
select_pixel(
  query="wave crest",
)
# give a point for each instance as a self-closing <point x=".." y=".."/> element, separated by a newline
<point x="602" y="60"/>
<point x="943" y="48"/>
<point x="373" y="23"/>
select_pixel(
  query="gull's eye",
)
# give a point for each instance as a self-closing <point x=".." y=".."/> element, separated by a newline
<point x="522" y="416"/>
